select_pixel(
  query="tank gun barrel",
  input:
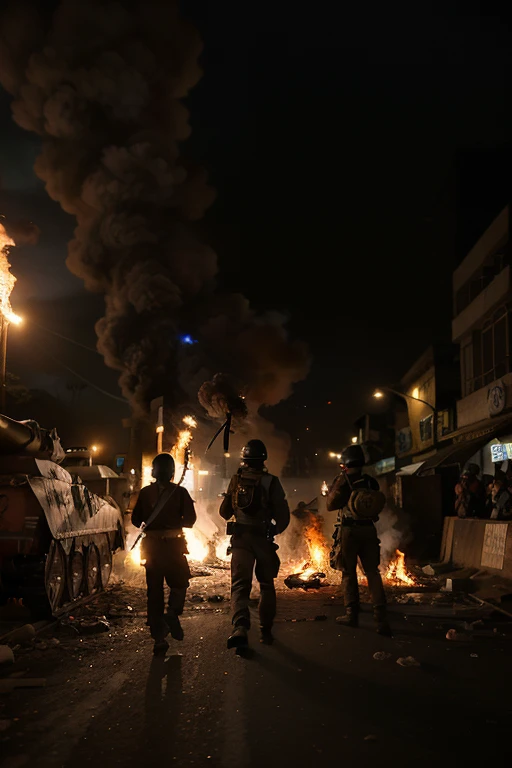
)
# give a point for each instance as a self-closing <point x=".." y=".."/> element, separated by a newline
<point x="27" y="437"/>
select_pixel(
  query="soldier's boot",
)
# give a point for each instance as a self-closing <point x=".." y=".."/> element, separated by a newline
<point x="173" y="622"/>
<point x="160" y="647"/>
<point x="266" y="636"/>
<point x="350" y="618"/>
<point x="239" y="636"/>
<point x="381" y="621"/>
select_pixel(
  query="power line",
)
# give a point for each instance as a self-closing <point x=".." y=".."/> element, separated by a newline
<point x="89" y="383"/>
<point x="66" y="338"/>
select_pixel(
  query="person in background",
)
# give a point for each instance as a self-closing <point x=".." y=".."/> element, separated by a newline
<point x="470" y="493"/>
<point x="359" y="540"/>
<point x="501" y="498"/>
<point x="257" y="501"/>
<point x="487" y="481"/>
<point x="164" y="548"/>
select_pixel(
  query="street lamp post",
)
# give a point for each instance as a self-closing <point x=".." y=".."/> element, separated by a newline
<point x="3" y="362"/>
<point x="380" y="393"/>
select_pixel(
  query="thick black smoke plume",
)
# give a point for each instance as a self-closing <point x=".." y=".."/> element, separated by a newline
<point x="101" y="82"/>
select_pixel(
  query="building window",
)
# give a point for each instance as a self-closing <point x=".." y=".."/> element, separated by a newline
<point x="486" y="358"/>
<point x="426" y="429"/>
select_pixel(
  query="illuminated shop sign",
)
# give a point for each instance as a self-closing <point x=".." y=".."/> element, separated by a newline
<point x="501" y="452"/>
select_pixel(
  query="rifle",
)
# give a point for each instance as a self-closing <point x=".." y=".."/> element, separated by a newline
<point x="162" y="501"/>
<point x="334" y="555"/>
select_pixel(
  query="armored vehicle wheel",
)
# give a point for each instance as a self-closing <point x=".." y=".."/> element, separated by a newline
<point x="76" y="574"/>
<point x="105" y="560"/>
<point x="92" y="569"/>
<point x="55" y="576"/>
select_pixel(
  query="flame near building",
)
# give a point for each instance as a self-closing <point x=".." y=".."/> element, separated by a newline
<point x="7" y="279"/>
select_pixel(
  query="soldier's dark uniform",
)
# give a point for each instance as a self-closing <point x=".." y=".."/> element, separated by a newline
<point x="358" y="540"/>
<point x="164" y="548"/>
<point x="252" y="545"/>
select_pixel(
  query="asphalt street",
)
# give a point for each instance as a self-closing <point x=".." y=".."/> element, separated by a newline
<point x="316" y="697"/>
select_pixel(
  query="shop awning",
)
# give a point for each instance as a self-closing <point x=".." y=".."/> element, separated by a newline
<point x="457" y="453"/>
<point x="410" y="469"/>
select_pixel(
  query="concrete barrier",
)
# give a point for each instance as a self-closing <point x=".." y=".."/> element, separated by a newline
<point x="485" y="544"/>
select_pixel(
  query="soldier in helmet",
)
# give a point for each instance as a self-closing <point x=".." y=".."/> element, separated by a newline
<point x="165" y="508"/>
<point x="358" y="538"/>
<point x="257" y="501"/>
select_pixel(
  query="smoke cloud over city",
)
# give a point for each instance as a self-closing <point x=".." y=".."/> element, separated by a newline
<point x="102" y="84"/>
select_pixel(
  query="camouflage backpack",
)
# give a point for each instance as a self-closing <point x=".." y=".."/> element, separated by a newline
<point x="366" y="504"/>
<point x="250" y="492"/>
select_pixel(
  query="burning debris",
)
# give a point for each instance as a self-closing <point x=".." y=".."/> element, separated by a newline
<point x="309" y="573"/>
<point x="397" y="574"/>
<point x="306" y="579"/>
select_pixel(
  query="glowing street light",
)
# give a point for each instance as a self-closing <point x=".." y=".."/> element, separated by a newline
<point x="379" y="393"/>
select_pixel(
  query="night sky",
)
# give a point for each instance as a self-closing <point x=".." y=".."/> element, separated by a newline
<point x="340" y="144"/>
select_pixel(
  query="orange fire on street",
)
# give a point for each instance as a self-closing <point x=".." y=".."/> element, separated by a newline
<point x="397" y="574"/>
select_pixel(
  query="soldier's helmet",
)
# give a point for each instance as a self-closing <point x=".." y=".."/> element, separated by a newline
<point x="254" y="450"/>
<point x="353" y="456"/>
<point x="163" y="466"/>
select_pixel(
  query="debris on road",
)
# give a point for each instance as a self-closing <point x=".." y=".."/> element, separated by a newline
<point x="8" y="685"/>
<point x="382" y="656"/>
<point x="93" y="626"/>
<point x="433" y="569"/>
<point x="6" y="655"/>
<point x="370" y="737"/>
<point x="408" y="661"/>
<point x="452" y="634"/>
<point x="22" y="634"/>
<point x="409" y="598"/>
<point x="300" y="581"/>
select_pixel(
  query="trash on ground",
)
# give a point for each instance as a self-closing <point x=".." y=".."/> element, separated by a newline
<point x="297" y="580"/>
<point x="93" y="626"/>
<point x="370" y="737"/>
<point x="381" y="656"/>
<point x="6" y="655"/>
<point x="22" y="634"/>
<point x="408" y="661"/>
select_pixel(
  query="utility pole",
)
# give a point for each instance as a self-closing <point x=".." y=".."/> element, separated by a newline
<point x="3" y="362"/>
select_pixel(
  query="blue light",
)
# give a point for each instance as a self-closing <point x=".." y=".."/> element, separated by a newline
<point x="187" y="339"/>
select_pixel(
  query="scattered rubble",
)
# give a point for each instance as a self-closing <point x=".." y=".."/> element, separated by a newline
<point x="296" y="581"/>
<point x="93" y="626"/>
<point x="23" y="634"/>
<point x="382" y="656"/>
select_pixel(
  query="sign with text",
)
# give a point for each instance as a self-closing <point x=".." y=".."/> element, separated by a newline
<point x="501" y="452"/>
<point x="493" y="550"/>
